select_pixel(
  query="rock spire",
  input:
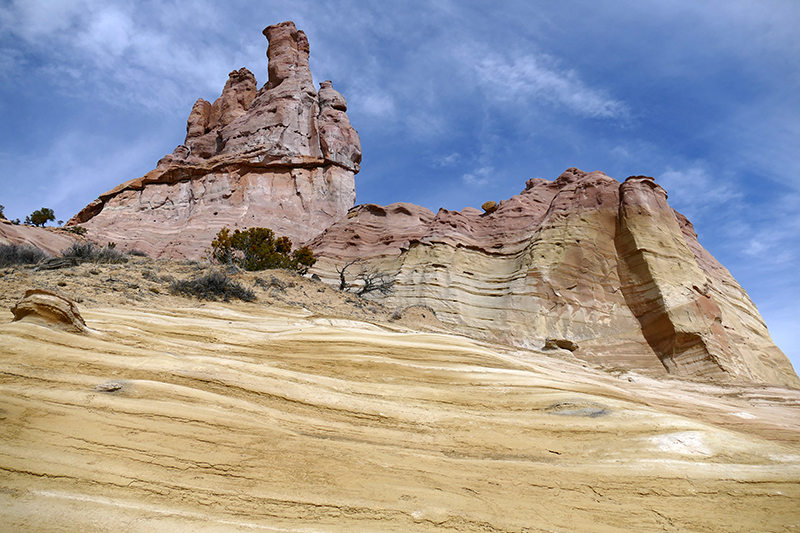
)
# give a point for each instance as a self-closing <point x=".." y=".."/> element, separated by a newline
<point x="283" y="156"/>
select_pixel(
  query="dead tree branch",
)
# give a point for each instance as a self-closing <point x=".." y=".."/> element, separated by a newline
<point x="370" y="280"/>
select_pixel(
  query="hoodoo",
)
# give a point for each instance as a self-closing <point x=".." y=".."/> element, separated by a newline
<point x="283" y="156"/>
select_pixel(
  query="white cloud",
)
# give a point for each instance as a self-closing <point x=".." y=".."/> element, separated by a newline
<point x="530" y="79"/>
<point x="478" y="178"/>
<point x="79" y="166"/>
<point x="108" y="33"/>
<point x="376" y="103"/>
<point x="695" y="192"/>
<point x="120" y="52"/>
<point x="448" y="160"/>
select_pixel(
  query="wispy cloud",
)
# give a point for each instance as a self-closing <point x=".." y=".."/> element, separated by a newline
<point x="80" y="166"/>
<point x="94" y="49"/>
<point x="448" y="160"/>
<point x="746" y="226"/>
<point x="696" y="191"/>
<point x="531" y="80"/>
<point x="375" y="102"/>
<point x="478" y="178"/>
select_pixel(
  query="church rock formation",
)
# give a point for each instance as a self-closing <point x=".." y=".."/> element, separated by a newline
<point x="283" y="156"/>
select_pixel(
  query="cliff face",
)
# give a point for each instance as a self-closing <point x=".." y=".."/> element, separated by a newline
<point x="283" y="157"/>
<point x="583" y="258"/>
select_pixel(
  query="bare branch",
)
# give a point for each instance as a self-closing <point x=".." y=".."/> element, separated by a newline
<point x="343" y="285"/>
<point x="371" y="280"/>
<point x="374" y="281"/>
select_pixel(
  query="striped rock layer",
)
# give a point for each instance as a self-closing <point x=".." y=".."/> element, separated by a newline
<point x="582" y="260"/>
<point x="607" y="265"/>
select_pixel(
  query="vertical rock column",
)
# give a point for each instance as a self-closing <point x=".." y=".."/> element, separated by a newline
<point x="664" y="287"/>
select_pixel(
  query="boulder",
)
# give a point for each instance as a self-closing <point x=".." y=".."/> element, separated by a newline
<point x="49" y="309"/>
<point x="560" y="344"/>
<point x="489" y="207"/>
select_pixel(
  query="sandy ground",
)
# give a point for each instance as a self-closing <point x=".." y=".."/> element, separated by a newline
<point x="311" y="410"/>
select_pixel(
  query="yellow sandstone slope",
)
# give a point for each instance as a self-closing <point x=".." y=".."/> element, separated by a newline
<point x="175" y="415"/>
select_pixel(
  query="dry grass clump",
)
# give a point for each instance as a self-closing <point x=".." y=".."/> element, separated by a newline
<point x="20" y="254"/>
<point x="88" y="252"/>
<point x="213" y="286"/>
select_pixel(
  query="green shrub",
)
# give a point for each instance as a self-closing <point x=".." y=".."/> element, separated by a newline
<point x="21" y="254"/>
<point x="259" y="249"/>
<point x="88" y="252"/>
<point x="42" y="216"/>
<point x="211" y="287"/>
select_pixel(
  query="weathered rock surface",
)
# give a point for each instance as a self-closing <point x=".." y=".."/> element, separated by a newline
<point x="606" y="265"/>
<point x="49" y="309"/>
<point x="282" y="157"/>
<point x="247" y="417"/>
<point x="50" y="240"/>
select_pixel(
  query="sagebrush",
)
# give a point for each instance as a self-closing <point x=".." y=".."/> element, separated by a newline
<point x="88" y="252"/>
<point x="212" y="286"/>
<point x="21" y="254"/>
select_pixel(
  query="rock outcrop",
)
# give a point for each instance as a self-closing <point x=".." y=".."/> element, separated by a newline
<point x="244" y="418"/>
<point x="608" y="269"/>
<point x="608" y="266"/>
<point x="49" y="309"/>
<point x="50" y="240"/>
<point x="283" y="156"/>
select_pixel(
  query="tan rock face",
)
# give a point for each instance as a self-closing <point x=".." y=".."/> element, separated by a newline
<point x="49" y="309"/>
<point x="583" y="258"/>
<point x="239" y="417"/>
<point x="281" y="157"/>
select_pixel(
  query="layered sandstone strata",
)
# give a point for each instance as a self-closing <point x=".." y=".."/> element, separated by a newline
<point x="242" y="417"/>
<point x="583" y="258"/>
<point x="282" y="157"/>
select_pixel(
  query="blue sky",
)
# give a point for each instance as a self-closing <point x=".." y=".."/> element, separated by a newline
<point x="456" y="103"/>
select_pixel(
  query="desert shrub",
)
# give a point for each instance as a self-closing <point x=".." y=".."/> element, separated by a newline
<point x="77" y="230"/>
<point x="212" y="286"/>
<point x="259" y="249"/>
<point x="274" y="283"/>
<point x="88" y="252"/>
<point x="21" y="254"/>
<point x="138" y="253"/>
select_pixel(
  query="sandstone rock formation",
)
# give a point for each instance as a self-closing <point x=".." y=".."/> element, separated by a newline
<point x="584" y="258"/>
<point x="259" y="417"/>
<point x="50" y="240"/>
<point x="49" y="309"/>
<point x="282" y="157"/>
